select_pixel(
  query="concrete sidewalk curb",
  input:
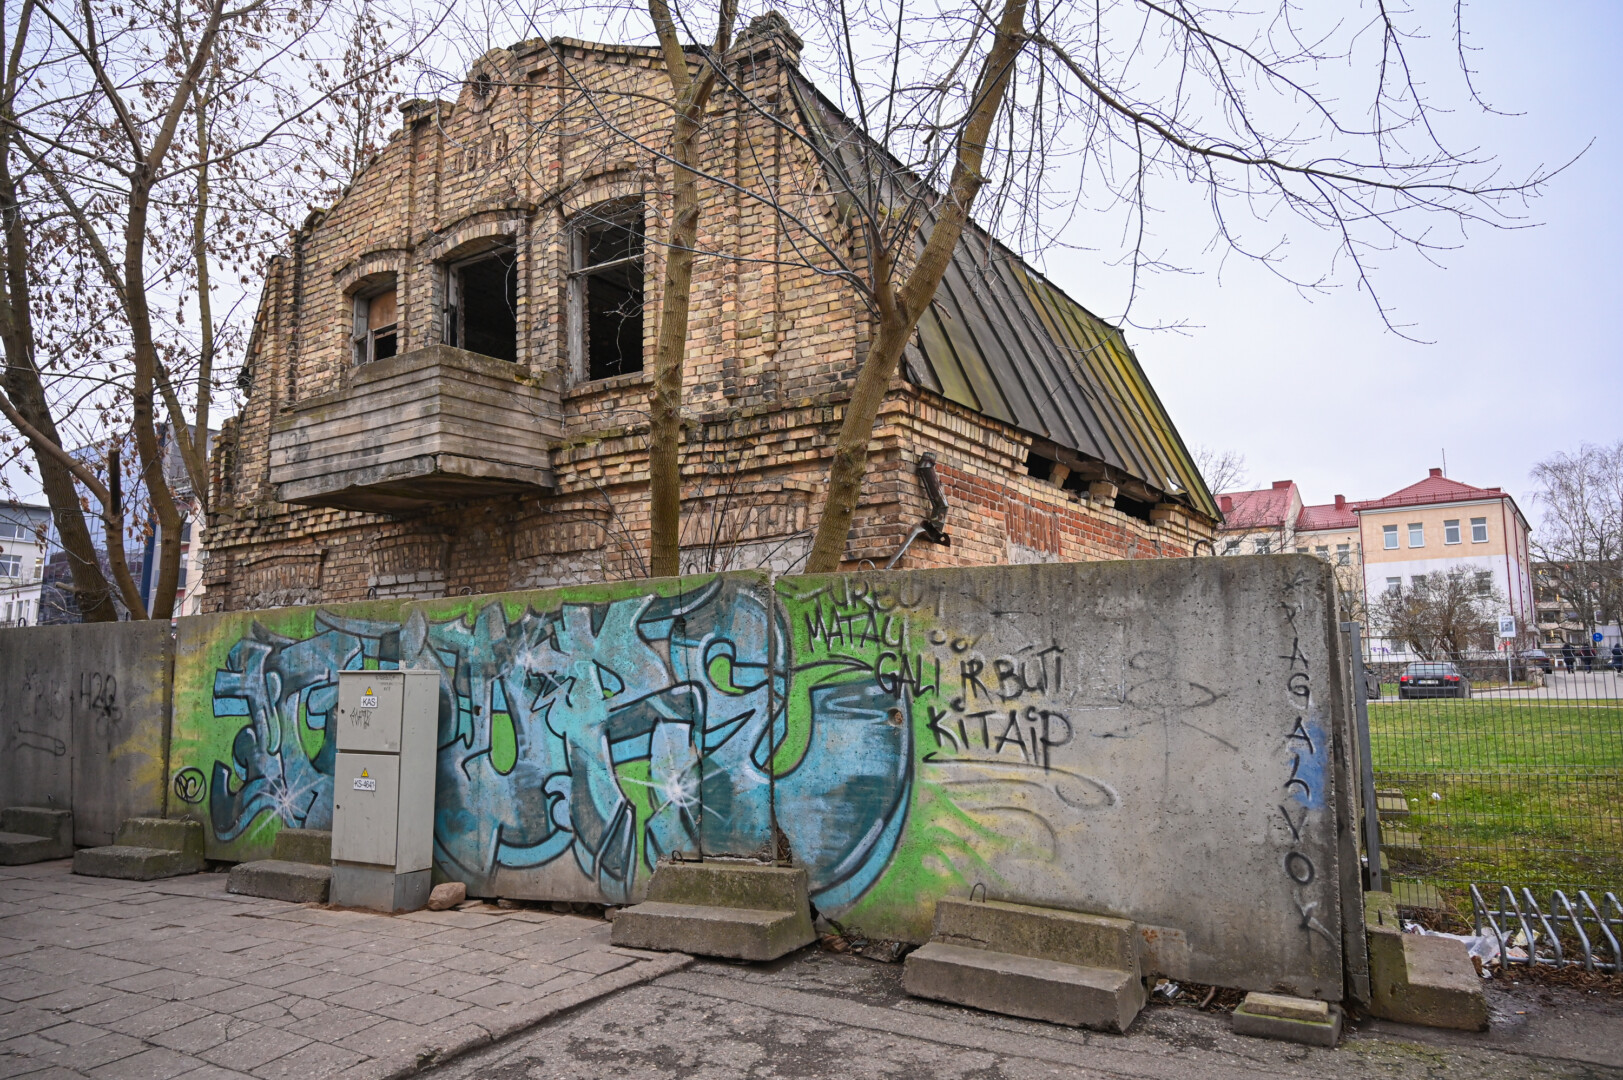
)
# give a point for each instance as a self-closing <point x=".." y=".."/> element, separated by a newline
<point x="470" y="1037"/>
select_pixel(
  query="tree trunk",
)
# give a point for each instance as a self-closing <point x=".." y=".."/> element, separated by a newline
<point x="22" y="386"/>
<point x="665" y="412"/>
<point x="161" y="603"/>
<point x="900" y="310"/>
<point x="665" y="422"/>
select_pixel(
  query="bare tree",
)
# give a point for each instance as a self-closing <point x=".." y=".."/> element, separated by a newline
<point x="1580" y="536"/>
<point x="145" y="154"/>
<point x="1135" y="94"/>
<point x="1057" y="113"/>
<point x="691" y="94"/>
<point x="1223" y="470"/>
<point x="1443" y="616"/>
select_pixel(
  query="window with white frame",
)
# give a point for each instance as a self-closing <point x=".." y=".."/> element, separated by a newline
<point x="1343" y="554"/>
<point x="1323" y="552"/>
<point x="1451" y="531"/>
<point x="1231" y="547"/>
<point x="1484" y="582"/>
<point x="1394" y="584"/>
<point x="11" y="566"/>
<point x="1418" y="582"/>
<point x="376" y="335"/>
<point x="606" y="290"/>
<point x="1389" y="537"/>
<point x="1417" y="534"/>
<point x="1263" y="545"/>
<point x="1479" y="530"/>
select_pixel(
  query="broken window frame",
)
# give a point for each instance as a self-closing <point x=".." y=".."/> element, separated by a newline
<point x="453" y="312"/>
<point x="368" y="341"/>
<point x="627" y="212"/>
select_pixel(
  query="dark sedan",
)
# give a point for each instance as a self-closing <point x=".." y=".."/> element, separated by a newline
<point x="1433" y="680"/>
<point x="1538" y="658"/>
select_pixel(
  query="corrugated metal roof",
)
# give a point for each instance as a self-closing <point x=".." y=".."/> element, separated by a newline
<point x="1001" y="339"/>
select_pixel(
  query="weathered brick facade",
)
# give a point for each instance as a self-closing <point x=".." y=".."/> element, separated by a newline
<point x="773" y="345"/>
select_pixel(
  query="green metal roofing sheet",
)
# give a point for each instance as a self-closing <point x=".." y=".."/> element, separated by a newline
<point x="1001" y="339"/>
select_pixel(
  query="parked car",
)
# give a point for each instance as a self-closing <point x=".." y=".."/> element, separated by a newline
<point x="1538" y="658"/>
<point x="1433" y="680"/>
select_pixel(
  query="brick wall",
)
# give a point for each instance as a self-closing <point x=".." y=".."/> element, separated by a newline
<point x="772" y="347"/>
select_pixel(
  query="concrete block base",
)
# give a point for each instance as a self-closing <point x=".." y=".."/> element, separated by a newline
<point x="304" y="846"/>
<point x="379" y="889"/>
<point x="1070" y="937"/>
<point x="18" y="849"/>
<point x="32" y="834"/>
<point x="174" y="834"/>
<point x="278" y="879"/>
<point x="707" y="930"/>
<point x="1415" y="979"/>
<point x="1442" y="989"/>
<point x="1289" y="1019"/>
<point x="134" y="863"/>
<point x="737" y="910"/>
<point x="1033" y="987"/>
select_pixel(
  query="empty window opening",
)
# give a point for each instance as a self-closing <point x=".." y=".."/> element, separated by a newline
<point x="1038" y="466"/>
<point x="377" y="329"/>
<point x="1133" y="508"/>
<point x="607" y="290"/>
<point x="481" y="313"/>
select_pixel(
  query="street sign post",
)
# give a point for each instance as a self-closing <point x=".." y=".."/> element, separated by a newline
<point x="1507" y="634"/>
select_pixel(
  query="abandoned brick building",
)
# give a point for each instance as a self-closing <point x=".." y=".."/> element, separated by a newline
<point x="446" y="389"/>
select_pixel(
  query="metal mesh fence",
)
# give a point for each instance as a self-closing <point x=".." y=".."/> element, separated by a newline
<point x="1483" y="780"/>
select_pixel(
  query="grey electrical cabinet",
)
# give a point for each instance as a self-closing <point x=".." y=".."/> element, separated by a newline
<point x="383" y="789"/>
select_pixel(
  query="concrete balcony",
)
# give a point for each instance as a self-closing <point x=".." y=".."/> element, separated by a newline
<point x="418" y="430"/>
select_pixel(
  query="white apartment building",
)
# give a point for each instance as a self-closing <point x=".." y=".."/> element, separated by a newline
<point x="24" y="533"/>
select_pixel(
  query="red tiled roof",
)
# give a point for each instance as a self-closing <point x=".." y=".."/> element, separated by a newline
<point x="1265" y="509"/>
<point x="1435" y="488"/>
<point x="1336" y="515"/>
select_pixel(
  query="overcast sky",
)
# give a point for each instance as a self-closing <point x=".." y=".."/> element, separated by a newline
<point x="1522" y="359"/>
<point x="1525" y="358"/>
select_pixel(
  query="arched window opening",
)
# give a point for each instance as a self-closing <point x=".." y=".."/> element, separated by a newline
<point x="481" y="312"/>
<point x="377" y="329"/>
<point x="606" y="289"/>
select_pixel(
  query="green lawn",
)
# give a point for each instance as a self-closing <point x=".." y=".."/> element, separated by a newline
<point x="1530" y="792"/>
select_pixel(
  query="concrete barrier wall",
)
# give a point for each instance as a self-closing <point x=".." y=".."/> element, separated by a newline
<point x="572" y="722"/>
<point x="1161" y="740"/>
<point x="84" y="720"/>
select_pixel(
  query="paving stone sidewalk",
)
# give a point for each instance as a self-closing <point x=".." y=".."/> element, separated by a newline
<point x="178" y="978"/>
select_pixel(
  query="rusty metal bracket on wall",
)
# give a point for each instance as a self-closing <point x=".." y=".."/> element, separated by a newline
<point x="934" y="524"/>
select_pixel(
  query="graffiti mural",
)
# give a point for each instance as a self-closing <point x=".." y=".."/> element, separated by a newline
<point x="1069" y="735"/>
<point x="583" y="734"/>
